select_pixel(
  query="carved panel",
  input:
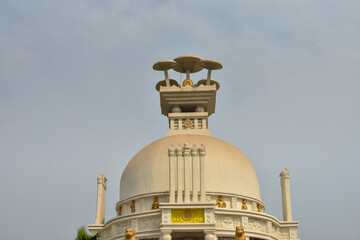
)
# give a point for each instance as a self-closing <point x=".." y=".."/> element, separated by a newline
<point x="134" y="224"/>
<point x="282" y="234"/>
<point x="293" y="233"/>
<point x="149" y="223"/>
<point x="245" y="221"/>
<point x="256" y="225"/>
<point x="120" y="227"/>
<point x="227" y="222"/>
<point x="141" y="205"/>
<point x="234" y="202"/>
<point x="270" y="228"/>
<point x="209" y="213"/>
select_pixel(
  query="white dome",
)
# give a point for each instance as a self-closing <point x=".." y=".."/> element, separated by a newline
<point x="227" y="169"/>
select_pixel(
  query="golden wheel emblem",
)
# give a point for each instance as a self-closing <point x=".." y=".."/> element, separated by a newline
<point x="187" y="82"/>
<point x="187" y="215"/>
<point x="188" y="123"/>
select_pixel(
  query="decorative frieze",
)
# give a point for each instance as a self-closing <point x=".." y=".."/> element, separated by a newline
<point x="256" y="225"/>
<point x="120" y="227"/>
<point x="149" y="223"/>
<point x="227" y="221"/>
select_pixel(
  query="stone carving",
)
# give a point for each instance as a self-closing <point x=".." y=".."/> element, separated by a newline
<point x="245" y="221"/>
<point x="240" y="233"/>
<point x="120" y="227"/>
<point x="149" y="223"/>
<point x="141" y="205"/>
<point x="293" y="233"/>
<point x="156" y="203"/>
<point x="129" y="234"/>
<point x="227" y="222"/>
<point x="257" y="225"/>
<point x="220" y="203"/>
<point x="270" y="228"/>
<point x="243" y="205"/>
<point x="282" y="234"/>
<point x="209" y="214"/>
<point x="234" y="202"/>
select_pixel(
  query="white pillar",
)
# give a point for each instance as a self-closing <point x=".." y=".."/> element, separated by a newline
<point x="195" y="173"/>
<point x="100" y="204"/>
<point x="285" y="193"/>
<point x="202" y="153"/>
<point x="179" y="174"/>
<point x="172" y="170"/>
<point x="187" y="171"/>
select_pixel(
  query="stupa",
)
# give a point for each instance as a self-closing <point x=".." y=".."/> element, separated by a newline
<point x="190" y="185"/>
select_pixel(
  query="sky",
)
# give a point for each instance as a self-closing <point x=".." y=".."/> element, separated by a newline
<point x="78" y="98"/>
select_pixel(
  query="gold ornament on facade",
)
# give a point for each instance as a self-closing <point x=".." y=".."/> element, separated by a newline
<point x="244" y="206"/>
<point x="187" y="216"/>
<point x="239" y="233"/>
<point x="258" y="207"/>
<point x="156" y="203"/>
<point x="188" y="123"/>
<point x="187" y="82"/>
<point x="132" y="206"/>
<point x="129" y="234"/>
<point x="119" y="210"/>
<point x="220" y="202"/>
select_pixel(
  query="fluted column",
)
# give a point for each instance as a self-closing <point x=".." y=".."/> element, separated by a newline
<point x="285" y="193"/>
<point x="172" y="173"/>
<point x="202" y="153"/>
<point x="187" y="171"/>
<point x="180" y="179"/>
<point x="195" y="173"/>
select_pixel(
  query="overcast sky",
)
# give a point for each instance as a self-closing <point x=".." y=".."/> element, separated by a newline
<point x="289" y="97"/>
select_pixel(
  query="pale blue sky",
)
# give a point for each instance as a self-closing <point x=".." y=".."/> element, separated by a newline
<point x="289" y="97"/>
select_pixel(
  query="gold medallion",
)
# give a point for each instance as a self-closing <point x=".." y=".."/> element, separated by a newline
<point x="187" y="215"/>
<point x="187" y="82"/>
<point x="188" y="123"/>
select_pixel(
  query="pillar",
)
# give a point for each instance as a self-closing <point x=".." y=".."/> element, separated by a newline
<point x="172" y="173"/>
<point x="187" y="171"/>
<point x="285" y="194"/>
<point x="100" y="204"/>
<point x="202" y="153"/>
<point x="180" y="178"/>
<point x="195" y="173"/>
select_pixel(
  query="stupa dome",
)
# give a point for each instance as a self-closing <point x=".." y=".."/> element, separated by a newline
<point x="227" y="169"/>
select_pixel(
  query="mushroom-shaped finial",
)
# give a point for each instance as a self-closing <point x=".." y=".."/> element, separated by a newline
<point x="210" y="65"/>
<point x="165" y="65"/>
<point x="188" y="64"/>
<point x="172" y="82"/>
<point x="212" y="82"/>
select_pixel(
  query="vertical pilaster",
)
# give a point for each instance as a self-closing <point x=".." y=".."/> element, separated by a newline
<point x="180" y="180"/>
<point x="187" y="171"/>
<point x="202" y="153"/>
<point x="285" y="194"/>
<point x="195" y="173"/>
<point x="172" y="173"/>
<point x="171" y="123"/>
